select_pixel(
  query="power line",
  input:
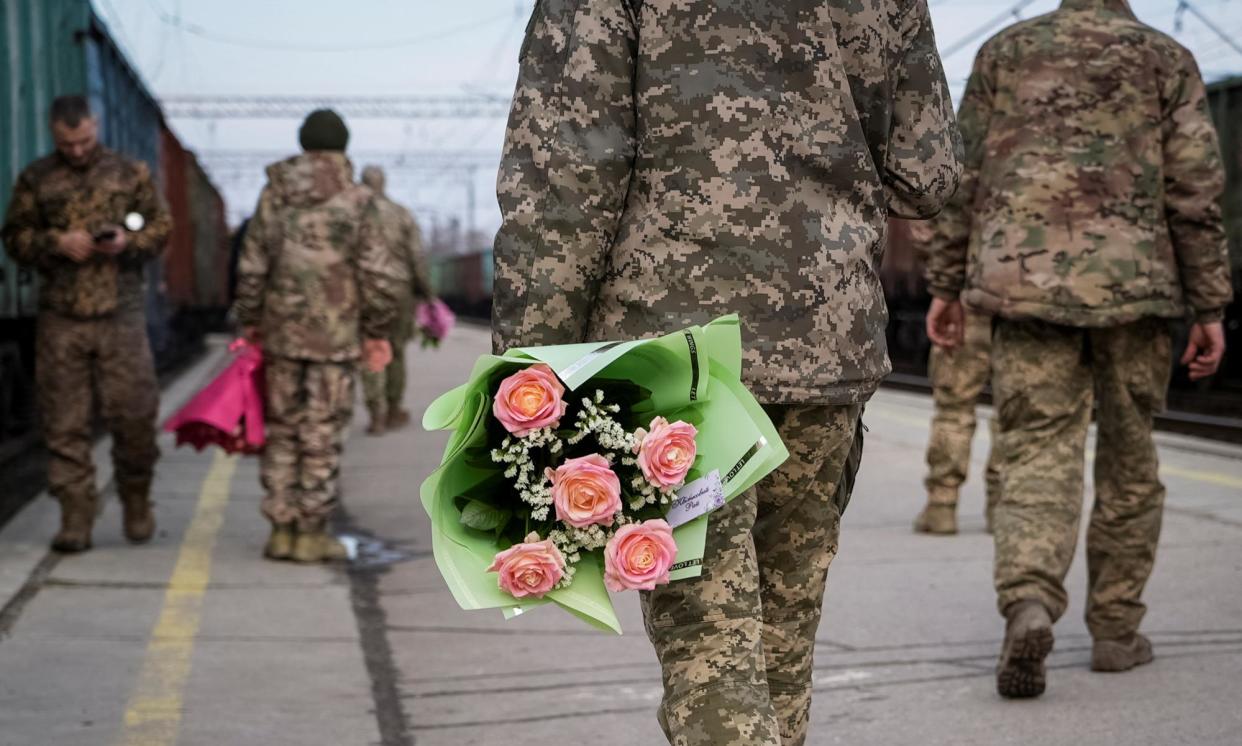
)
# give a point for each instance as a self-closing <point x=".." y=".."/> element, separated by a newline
<point x="1185" y="6"/>
<point x="966" y="41"/>
<point x="357" y="46"/>
<point x="359" y="107"/>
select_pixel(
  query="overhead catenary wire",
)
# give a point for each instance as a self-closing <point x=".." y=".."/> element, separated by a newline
<point x="968" y="39"/>
<point x="194" y="29"/>
<point x="1185" y="6"/>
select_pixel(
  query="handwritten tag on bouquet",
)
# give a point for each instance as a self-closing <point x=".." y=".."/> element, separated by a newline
<point x="701" y="496"/>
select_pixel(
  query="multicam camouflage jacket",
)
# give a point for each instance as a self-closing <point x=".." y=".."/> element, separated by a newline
<point x="52" y="197"/>
<point x="1093" y="178"/>
<point x="315" y="274"/>
<point x="402" y="235"/>
<point x="668" y="161"/>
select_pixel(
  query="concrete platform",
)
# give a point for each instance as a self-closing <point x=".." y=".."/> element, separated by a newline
<point x="195" y="640"/>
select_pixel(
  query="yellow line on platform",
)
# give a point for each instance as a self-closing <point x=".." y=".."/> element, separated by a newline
<point x="153" y="716"/>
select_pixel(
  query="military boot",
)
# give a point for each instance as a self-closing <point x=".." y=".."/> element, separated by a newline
<point x="937" y="519"/>
<point x="940" y="514"/>
<point x="1021" y="671"/>
<point x="1114" y="656"/>
<point x="379" y="423"/>
<point x="280" y="544"/>
<point x="398" y="418"/>
<point x="317" y="545"/>
<point x="137" y="519"/>
<point x="77" y="518"/>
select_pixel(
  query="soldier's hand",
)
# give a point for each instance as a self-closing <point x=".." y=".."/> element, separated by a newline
<point x="1205" y="350"/>
<point x="114" y="245"/>
<point x="946" y="323"/>
<point x="77" y="245"/>
<point x="376" y="354"/>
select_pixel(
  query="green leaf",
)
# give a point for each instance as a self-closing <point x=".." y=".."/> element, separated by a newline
<point x="483" y="517"/>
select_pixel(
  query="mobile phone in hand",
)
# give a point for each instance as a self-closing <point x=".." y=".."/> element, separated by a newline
<point x="107" y="235"/>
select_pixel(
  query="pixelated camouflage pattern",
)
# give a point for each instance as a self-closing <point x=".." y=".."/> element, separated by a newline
<point x="51" y="196"/>
<point x="737" y="644"/>
<point x="1093" y="176"/>
<point x="958" y="379"/>
<point x="670" y="161"/>
<point x="309" y="407"/>
<point x="89" y="365"/>
<point x="1046" y="379"/>
<point x="315" y="274"/>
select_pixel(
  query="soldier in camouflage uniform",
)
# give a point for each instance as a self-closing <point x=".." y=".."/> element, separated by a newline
<point x="317" y="287"/>
<point x="384" y="391"/>
<point x="67" y="220"/>
<point x="1088" y="218"/>
<point x="958" y="379"/>
<point x="668" y="162"/>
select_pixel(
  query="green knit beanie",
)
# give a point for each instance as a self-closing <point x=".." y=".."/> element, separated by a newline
<point x="323" y="130"/>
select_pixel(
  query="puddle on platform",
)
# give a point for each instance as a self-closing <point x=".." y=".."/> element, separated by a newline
<point x="369" y="551"/>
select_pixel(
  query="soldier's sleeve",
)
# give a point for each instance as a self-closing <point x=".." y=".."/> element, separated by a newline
<point x="566" y="169"/>
<point x="1194" y="181"/>
<point x="148" y="203"/>
<point x="253" y="263"/>
<point x="382" y="273"/>
<point x="923" y="161"/>
<point x="420" y="281"/>
<point x="26" y="239"/>
<point x="950" y="242"/>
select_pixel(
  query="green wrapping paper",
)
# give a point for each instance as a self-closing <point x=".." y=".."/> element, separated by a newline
<point x="692" y="375"/>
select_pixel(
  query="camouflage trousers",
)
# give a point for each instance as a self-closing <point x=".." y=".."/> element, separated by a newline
<point x="958" y="380"/>
<point x="309" y="408"/>
<point x="105" y="362"/>
<point x="384" y="391"/>
<point x="1046" y="378"/>
<point x="736" y="645"/>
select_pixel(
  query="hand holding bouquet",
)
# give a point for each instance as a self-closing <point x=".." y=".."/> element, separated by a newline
<point x="581" y="469"/>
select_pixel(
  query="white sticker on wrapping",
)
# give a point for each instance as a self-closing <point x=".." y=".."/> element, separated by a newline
<point x="701" y="496"/>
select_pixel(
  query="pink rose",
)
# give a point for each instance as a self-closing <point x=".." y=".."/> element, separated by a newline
<point x="585" y="491"/>
<point x="639" y="556"/>
<point x="529" y="569"/>
<point x="667" y="452"/>
<point x="529" y="400"/>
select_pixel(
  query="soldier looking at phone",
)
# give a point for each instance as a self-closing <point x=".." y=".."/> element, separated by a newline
<point x="88" y="220"/>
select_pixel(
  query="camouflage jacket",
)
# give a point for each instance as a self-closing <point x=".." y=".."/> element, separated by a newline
<point x="315" y="274"/>
<point x="402" y="235"/>
<point x="51" y="197"/>
<point x="1093" y="178"/>
<point x="668" y="161"/>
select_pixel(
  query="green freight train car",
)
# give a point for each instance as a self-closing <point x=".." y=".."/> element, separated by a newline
<point x="57" y="47"/>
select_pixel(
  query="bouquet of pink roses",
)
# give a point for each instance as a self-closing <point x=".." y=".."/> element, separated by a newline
<point x="434" y="320"/>
<point x="581" y="469"/>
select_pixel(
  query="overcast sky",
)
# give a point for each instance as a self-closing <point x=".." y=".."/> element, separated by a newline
<point x="407" y="47"/>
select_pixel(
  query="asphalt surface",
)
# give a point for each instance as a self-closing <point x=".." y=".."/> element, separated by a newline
<point x="196" y="640"/>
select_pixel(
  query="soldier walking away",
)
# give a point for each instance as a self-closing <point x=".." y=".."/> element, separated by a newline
<point x="1090" y="214"/>
<point x="384" y="391"/>
<point x="958" y="378"/>
<point x="89" y="219"/>
<point x="667" y="162"/>
<point x="317" y="288"/>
